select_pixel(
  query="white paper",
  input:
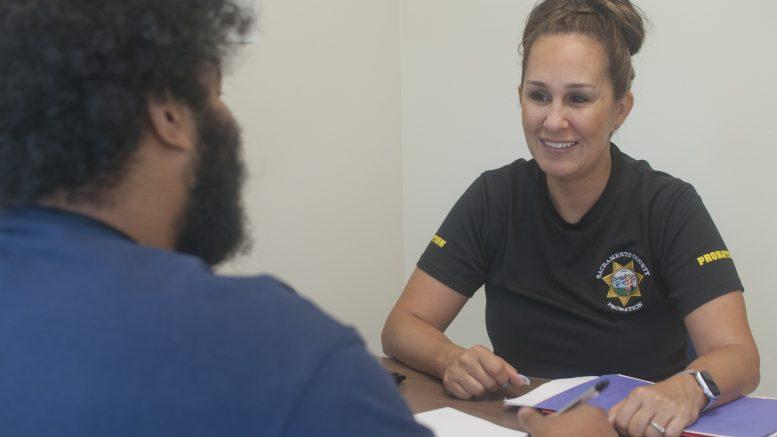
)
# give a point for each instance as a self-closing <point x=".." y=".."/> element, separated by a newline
<point x="449" y="422"/>
<point x="548" y="390"/>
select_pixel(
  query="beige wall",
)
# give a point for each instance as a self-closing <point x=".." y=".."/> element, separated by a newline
<point x="318" y="99"/>
<point x="460" y="117"/>
<point x="365" y="120"/>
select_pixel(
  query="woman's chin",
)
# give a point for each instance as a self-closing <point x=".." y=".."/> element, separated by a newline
<point x="558" y="170"/>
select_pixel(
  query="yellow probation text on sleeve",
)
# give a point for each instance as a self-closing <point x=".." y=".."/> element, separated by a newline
<point x="438" y="241"/>
<point x="713" y="256"/>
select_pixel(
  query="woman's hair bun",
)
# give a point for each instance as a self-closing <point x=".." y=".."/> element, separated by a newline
<point x="629" y="19"/>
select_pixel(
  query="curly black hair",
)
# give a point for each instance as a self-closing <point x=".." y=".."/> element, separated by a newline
<point x="75" y="77"/>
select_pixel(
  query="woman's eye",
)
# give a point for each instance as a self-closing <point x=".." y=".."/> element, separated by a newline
<point x="578" y="99"/>
<point x="539" y="97"/>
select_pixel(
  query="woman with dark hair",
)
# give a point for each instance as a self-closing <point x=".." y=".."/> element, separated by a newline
<point x="593" y="262"/>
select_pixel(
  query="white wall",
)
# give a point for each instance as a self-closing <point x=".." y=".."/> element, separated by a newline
<point x="318" y="99"/>
<point x="364" y="120"/>
<point x="706" y="111"/>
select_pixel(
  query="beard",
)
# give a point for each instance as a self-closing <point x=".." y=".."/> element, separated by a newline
<point x="212" y="226"/>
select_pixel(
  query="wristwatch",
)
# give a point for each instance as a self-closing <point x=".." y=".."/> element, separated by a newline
<point x="707" y="384"/>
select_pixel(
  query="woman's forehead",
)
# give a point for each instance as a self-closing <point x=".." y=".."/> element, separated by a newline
<point x="567" y="58"/>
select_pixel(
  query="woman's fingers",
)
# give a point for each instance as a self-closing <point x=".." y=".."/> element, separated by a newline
<point x="477" y="370"/>
<point x="628" y="408"/>
<point x="528" y="418"/>
<point x="659" y="409"/>
<point x="659" y="421"/>
<point x="456" y="389"/>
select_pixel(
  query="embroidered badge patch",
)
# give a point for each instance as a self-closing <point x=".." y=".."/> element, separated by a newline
<point x="623" y="273"/>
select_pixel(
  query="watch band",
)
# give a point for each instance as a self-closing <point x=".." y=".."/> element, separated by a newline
<point x="705" y="387"/>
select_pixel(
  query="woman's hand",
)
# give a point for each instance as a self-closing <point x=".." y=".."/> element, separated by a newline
<point x="474" y="371"/>
<point x="582" y="421"/>
<point x="671" y="405"/>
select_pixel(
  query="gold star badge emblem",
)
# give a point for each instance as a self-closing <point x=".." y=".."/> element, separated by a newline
<point x="624" y="282"/>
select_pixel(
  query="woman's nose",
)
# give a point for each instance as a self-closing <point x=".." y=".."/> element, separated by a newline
<point x="556" y="118"/>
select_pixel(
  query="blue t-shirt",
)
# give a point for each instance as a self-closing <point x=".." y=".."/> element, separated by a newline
<point x="102" y="336"/>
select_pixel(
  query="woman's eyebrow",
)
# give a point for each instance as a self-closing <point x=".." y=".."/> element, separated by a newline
<point x="569" y="86"/>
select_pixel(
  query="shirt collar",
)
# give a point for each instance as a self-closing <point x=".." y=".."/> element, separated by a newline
<point x="45" y="213"/>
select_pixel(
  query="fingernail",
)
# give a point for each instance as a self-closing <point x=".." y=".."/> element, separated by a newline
<point x="525" y="379"/>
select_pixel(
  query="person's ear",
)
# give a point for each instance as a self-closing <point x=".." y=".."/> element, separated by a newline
<point x="520" y="94"/>
<point x="172" y="122"/>
<point x="623" y="109"/>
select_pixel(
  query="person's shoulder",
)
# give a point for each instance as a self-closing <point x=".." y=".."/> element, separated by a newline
<point x="261" y="309"/>
<point x="266" y="302"/>
<point x="520" y="173"/>
<point x="277" y="300"/>
<point x="517" y="168"/>
<point x="653" y="184"/>
<point x="172" y="279"/>
<point x="659" y="194"/>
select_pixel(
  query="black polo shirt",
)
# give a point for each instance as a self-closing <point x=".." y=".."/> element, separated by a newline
<point x="605" y="295"/>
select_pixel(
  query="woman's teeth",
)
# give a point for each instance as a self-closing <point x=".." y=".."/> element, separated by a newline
<point x="558" y="145"/>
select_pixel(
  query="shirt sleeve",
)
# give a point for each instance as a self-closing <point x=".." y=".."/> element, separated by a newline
<point x="351" y="394"/>
<point x="458" y="255"/>
<point x="696" y="266"/>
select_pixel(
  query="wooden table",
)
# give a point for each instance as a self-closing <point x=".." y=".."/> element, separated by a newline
<point x="423" y="393"/>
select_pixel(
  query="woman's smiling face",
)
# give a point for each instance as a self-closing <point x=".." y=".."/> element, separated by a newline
<point x="568" y="106"/>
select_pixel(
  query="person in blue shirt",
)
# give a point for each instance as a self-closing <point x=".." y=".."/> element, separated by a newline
<point x="120" y="177"/>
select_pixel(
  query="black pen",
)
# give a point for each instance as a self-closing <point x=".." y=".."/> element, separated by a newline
<point x="586" y="396"/>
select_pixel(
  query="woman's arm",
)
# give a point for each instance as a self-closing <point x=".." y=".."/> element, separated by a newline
<point x="722" y="338"/>
<point x="413" y="334"/>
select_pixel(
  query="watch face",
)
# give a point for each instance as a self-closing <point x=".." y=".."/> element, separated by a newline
<point x="710" y="383"/>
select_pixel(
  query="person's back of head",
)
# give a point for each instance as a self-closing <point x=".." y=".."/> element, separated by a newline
<point x="80" y="81"/>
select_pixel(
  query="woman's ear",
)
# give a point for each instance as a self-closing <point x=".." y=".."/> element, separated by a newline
<point x="623" y="109"/>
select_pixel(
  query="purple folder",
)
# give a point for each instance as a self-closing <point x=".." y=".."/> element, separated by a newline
<point x="748" y="416"/>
